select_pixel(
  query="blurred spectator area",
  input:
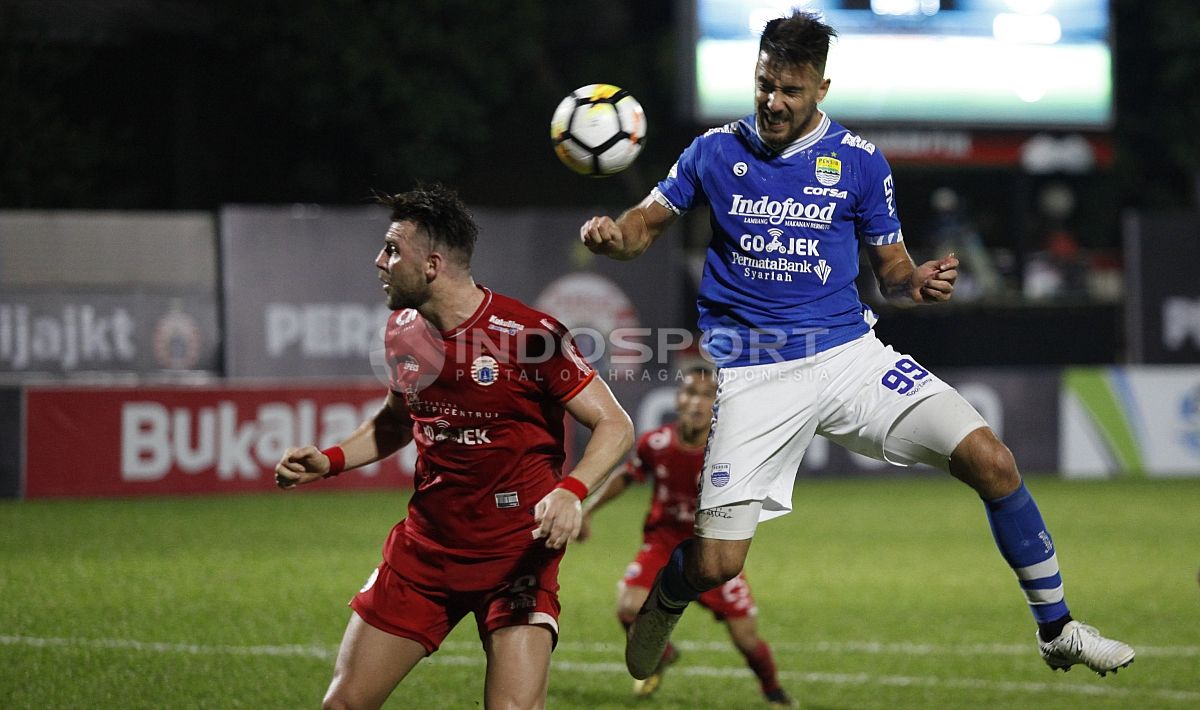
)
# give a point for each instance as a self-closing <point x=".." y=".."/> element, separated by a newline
<point x="1041" y="275"/>
<point x="1022" y="239"/>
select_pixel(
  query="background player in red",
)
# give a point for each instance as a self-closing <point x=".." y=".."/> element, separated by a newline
<point x="672" y="456"/>
<point x="481" y="382"/>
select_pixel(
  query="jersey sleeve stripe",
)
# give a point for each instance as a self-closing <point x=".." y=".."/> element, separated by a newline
<point x="662" y="200"/>
<point x="890" y="238"/>
<point x="579" y="388"/>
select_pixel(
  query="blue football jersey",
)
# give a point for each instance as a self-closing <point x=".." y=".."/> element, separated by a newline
<point x="779" y="274"/>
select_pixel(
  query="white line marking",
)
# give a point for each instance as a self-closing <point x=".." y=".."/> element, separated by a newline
<point x="327" y="653"/>
<point x="931" y="649"/>
<point x="322" y="652"/>
<point x="847" y="647"/>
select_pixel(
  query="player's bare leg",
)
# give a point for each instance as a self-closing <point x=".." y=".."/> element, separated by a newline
<point x="715" y="562"/>
<point x="518" y="667"/>
<point x="370" y="663"/>
<point x="744" y="633"/>
<point x="983" y="462"/>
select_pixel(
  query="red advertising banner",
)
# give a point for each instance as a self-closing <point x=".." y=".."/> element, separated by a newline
<point x="181" y="440"/>
<point x="1037" y="152"/>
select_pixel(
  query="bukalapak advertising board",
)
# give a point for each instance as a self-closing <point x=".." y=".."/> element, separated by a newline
<point x="175" y="440"/>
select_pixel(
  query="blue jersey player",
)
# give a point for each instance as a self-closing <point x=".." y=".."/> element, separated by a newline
<point x="793" y="196"/>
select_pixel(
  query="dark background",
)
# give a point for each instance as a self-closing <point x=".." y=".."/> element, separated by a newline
<point x="152" y="104"/>
<point x="186" y="104"/>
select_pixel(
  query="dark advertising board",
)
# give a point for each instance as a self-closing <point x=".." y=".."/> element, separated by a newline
<point x="11" y="449"/>
<point x="75" y="332"/>
<point x="302" y="296"/>
<point x="1162" y="308"/>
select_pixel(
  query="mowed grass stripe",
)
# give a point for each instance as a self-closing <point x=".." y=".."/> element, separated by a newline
<point x="445" y="659"/>
<point x="852" y="647"/>
<point x="876" y="595"/>
<point x="829" y="647"/>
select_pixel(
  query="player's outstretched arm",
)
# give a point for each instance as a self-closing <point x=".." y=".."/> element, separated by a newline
<point x="630" y="234"/>
<point x="902" y="281"/>
<point x="560" y="514"/>
<point x="377" y="438"/>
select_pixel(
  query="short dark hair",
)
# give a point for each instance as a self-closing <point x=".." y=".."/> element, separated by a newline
<point x="703" y="371"/>
<point x="439" y="211"/>
<point x="798" y="40"/>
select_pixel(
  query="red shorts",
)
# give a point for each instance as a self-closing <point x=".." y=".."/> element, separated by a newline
<point x="731" y="600"/>
<point x="428" y="592"/>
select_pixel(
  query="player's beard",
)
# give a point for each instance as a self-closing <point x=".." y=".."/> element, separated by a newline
<point x="398" y="299"/>
<point x="796" y="127"/>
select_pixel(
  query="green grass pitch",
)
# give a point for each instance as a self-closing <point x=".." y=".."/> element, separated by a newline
<point x="874" y="594"/>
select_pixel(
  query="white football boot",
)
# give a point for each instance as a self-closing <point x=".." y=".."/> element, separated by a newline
<point x="1080" y="643"/>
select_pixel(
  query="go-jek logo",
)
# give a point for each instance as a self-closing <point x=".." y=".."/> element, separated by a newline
<point x="467" y="436"/>
<point x="766" y="210"/>
<point x="793" y="246"/>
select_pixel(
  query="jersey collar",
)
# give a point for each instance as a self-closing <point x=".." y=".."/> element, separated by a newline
<point x="462" y="327"/>
<point x="749" y="129"/>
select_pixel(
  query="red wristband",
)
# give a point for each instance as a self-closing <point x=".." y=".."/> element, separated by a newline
<point x="337" y="460"/>
<point x="575" y="486"/>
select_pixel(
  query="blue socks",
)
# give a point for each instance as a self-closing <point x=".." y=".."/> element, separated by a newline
<point x="1021" y="535"/>
<point x="674" y="591"/>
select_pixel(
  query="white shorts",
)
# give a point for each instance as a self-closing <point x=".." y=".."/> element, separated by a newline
<point x="766" y="415"/>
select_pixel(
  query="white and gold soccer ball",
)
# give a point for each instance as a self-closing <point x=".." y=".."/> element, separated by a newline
<point x="598" y="130"/>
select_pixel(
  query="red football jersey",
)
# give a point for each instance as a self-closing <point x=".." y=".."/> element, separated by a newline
<point x="486" y="400"/>
<point x="675" y="469"/>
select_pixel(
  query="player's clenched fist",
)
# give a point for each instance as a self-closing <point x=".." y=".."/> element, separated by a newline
<point x="303" y="465"/>
<point x="602" y="236"/>
<point x="559" y="515"/>
<point x="934" y="280"/>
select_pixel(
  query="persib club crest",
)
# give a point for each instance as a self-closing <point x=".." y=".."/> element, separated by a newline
<point x="485" y="370"/>
<point x="719" y="475"/>
<point x="829" y="170"/>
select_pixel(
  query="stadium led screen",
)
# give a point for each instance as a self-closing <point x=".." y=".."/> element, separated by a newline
<point x="967" y="63"/>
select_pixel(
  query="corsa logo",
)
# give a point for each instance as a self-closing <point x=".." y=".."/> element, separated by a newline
<point x="826" y="192"/>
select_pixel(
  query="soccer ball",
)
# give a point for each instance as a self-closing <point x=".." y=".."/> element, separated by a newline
<point x="598" y="130"/>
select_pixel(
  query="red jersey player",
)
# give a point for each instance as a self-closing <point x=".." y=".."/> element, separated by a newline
<point x="480" y="382"/>
<point x="671" y="457"/>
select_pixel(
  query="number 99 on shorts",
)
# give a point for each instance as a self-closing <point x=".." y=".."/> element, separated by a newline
<point x="903" y="376"/>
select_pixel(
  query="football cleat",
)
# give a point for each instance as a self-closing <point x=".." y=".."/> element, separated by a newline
<point x="646" y="687"/>
<point x="779" y="698"/>
<point x="1080" y="643"/>
<point x="648" y="636"/>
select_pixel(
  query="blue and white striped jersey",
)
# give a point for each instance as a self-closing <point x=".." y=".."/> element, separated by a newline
<point x="779" y="275"/>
